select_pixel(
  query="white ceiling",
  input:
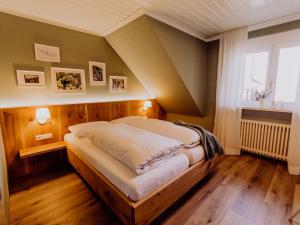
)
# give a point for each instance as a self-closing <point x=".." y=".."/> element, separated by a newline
<point x="201" y="18"/>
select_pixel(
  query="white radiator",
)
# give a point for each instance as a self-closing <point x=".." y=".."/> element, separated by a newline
<point x="265" y="138"/>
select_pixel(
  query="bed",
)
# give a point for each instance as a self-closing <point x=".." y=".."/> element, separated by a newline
<point x="137" y="199"/>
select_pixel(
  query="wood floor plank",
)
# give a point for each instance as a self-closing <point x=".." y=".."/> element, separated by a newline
<point x="279" y="198"/>
<point x="214" y="209"/>
<point x="232" y="218"/>
<point x="186" y="207"/>
<point x="41" y="202"/>
<point x="44" y="215"/>
<point x="248" y="204"/>
<point x="45" y="194"/>
<point x="245" y="190"/>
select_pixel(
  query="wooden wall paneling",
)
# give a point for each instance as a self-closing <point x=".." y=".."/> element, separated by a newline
<point x="120" y="109"/>
<point x="115" y="109"/>
<point x="31" y="127"/>
<point x="54" y="125"/>
<point x="14" y="140"/>
<point x="27" y="121"/>
<point x="19" y="128"/>
<point x="151" y="113"/>
<point x="93" y="112"/>
<point x="159" y="111"/>
<point x="44" y="162"/>
<point x="105" y="111"/>
<point x="71" y="115"/>
<point x="125" y="109"/>
<point x="59" y="115"/>
<point x="4" y="135"/>
<point x="137" y="108"/>
<point x="99" y="111"/>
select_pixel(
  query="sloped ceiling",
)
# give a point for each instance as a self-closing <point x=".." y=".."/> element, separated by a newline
<point x="188" y="55"/>
<point x="200" y="18"/>
<point x="177" y="82"/>
<point x="206" y="18"/>
<point x="92" y="16"/>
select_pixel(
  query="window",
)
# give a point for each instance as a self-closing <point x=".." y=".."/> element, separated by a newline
<point x="255" y="74"/>
<point x="272" y="71"/>
<point x="287" y="74"/>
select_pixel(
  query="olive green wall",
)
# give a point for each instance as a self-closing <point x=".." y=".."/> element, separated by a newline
<point x="207" y="121"/>
<point x="17" y="36"/>
<point x="188" y="55"/>
<point x="141" y="45"/>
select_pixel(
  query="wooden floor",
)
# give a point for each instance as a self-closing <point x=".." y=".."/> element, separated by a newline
<point x="246" y="190"/>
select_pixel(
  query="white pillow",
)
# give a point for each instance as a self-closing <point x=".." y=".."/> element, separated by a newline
<point x="128" y="119"/>
<point x="80" y="130"/>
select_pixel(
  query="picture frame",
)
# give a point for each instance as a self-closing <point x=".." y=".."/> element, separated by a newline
<point x="27" y="78"/>
<point x="46" y="53"/>
<point x="66" y="80"/>
<point x="117" y="84"/>
<point x="97" y="72"/>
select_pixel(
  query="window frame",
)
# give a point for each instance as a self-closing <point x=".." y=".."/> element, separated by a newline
<point x="272" y="43"/>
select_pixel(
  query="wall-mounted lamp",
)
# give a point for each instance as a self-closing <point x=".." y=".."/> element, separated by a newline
<point x="147" y="105"/>
<point x="42" y="115"/>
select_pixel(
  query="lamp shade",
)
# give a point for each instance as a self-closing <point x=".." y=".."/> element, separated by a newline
<point x="147" y="104"/>
<point x="42" y="115"/>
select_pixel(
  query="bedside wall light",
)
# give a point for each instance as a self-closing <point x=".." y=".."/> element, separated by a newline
<point x="42" y="115"/>
<point x="147" y="105"/>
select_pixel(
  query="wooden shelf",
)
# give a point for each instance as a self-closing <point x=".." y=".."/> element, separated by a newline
<point x="42" y="149"/>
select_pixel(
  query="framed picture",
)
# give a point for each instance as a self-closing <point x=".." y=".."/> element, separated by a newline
<point x="67" y="80"/>
<point x="46" y="53"/>
<point x="117" y="84"/>
<point x="97" y="73"/>
<point x="31" y="78"/>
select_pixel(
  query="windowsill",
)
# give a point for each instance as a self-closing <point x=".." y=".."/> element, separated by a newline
<point x="268" y="109"/>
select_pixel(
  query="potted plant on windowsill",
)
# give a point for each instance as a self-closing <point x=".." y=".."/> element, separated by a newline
<point x="262" y="96"/>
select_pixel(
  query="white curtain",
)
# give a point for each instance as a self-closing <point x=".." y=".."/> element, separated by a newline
<point x="4" y="195"/>
<point x="229" y="89"/>
<point x="294" y="144"/>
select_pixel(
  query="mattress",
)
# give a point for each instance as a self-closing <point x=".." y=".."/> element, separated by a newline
<point x="132" y="185"/>
<point x="195" y="154"/>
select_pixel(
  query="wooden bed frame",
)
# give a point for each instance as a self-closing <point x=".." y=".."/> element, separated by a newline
<point x="144" y="211"/>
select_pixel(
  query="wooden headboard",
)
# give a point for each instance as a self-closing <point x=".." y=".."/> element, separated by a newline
<point x="19" y="128"/>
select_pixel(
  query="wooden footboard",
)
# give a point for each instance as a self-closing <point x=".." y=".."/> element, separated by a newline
<point x="147" y="209"/>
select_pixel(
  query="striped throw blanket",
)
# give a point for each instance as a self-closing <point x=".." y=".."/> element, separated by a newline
<point x="209" y="142"/>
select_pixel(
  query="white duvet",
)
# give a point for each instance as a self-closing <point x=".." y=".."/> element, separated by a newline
<point x="165" y="128"/>
<point x="139" y="149"/>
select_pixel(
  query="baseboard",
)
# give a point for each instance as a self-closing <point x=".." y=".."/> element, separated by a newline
<point x="294" y="170"/>
<point x="232" y="151"/>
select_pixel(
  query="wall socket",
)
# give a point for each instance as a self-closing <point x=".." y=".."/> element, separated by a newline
<point x="41" y="137"/>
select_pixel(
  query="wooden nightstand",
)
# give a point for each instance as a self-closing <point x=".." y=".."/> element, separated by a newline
<point x="42" y="149"/>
